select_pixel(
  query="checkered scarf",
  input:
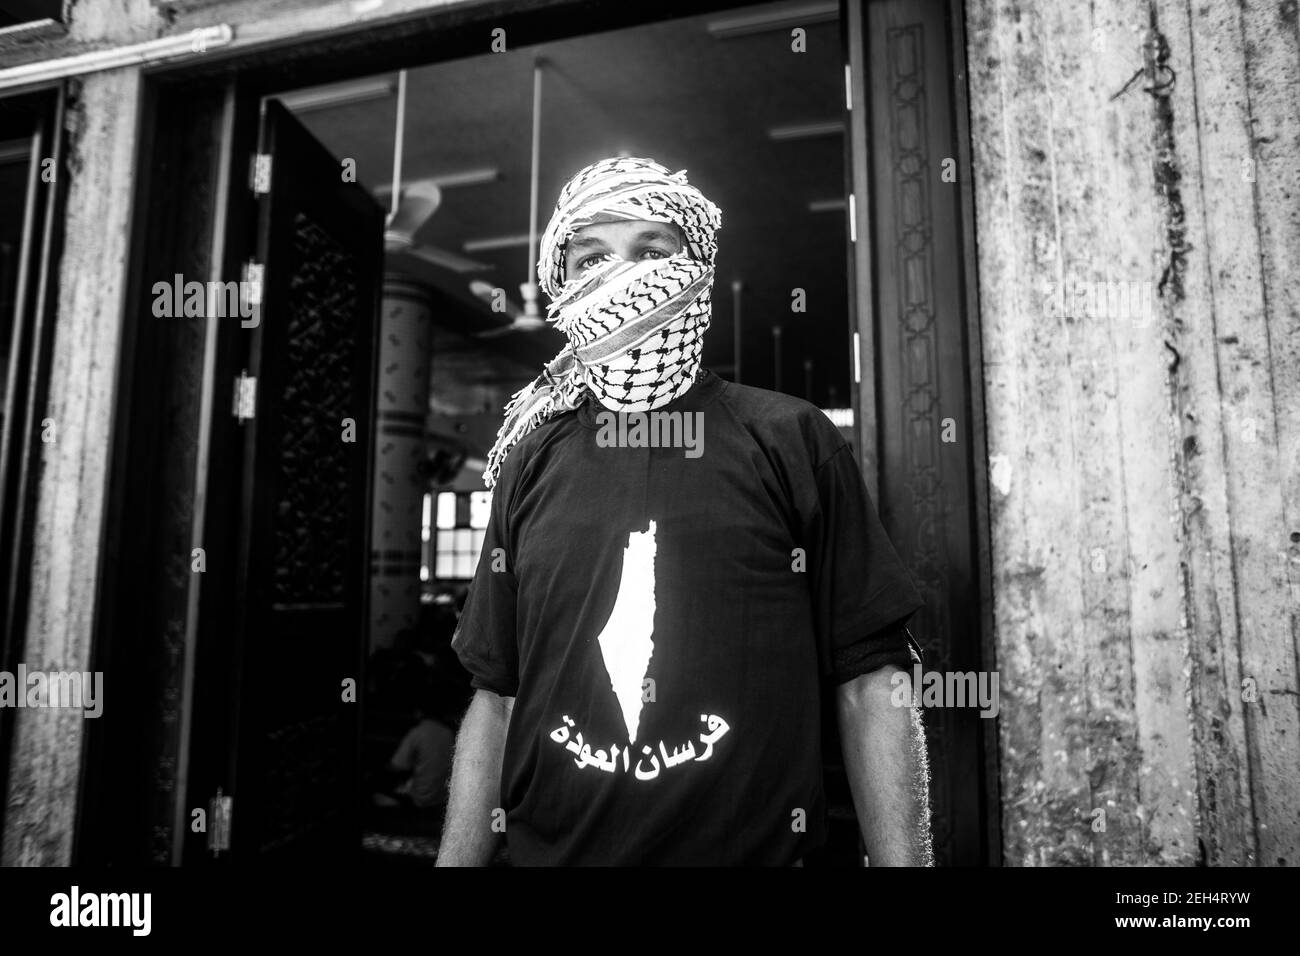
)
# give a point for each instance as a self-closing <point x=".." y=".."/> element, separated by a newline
<point x="635" y="329"/>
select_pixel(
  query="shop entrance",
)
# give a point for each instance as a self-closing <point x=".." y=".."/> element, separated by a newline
<point x="843" y="278"/>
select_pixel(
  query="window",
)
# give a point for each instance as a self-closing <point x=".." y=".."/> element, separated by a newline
<point x="452" y="534"/>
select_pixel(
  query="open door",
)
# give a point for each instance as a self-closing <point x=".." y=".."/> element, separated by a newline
<point x="307" y="407"/>
<point x="919" y="400"/>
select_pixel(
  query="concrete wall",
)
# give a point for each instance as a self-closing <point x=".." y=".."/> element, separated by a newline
<point x="46" y="758"/>
<point x="1144" y="455"/>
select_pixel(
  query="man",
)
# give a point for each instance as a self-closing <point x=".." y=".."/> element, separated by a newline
<point x="421" y="764"/>
<point x="653" y="623"/>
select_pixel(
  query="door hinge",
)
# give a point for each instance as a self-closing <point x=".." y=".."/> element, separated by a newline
<point x="261" y="178"/>
<point x="245" y="403"/>
<point x="251" y="287"/>
<point x="220" y="810"/>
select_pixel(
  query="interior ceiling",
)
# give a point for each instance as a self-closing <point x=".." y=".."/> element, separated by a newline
<point x="675" y="93"/>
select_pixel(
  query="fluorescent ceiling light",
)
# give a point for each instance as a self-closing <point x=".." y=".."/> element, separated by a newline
<point x="495" y="242"/>
<point x="827" y="205"/>
<point x="783" y="19"/>
<point x="806" y="130"/>
<point x="341" y="94"/>
<point x="466" y="177"/>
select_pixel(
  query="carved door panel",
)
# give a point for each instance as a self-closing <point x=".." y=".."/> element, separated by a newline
<point x="305" y="502"/>
<point x="922" y="424"/>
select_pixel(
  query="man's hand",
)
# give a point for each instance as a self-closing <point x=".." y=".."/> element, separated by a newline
<point x="467" y="835"/>
<point x="884" y="754"/>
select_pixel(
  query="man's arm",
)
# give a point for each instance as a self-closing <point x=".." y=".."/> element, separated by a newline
<point x="467" y="835"/>
<point x="884" y="754"/>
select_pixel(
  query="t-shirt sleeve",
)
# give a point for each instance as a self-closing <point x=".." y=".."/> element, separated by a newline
<point x="862" y="594"/>
<point x="485" y="640"/>
<point x="894" y="645"/>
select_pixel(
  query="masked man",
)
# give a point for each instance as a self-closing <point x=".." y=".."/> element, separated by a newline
<point x="676" y="570"/>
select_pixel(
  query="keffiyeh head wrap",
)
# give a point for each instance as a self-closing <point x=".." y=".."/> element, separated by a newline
<point x="635" y="329"/>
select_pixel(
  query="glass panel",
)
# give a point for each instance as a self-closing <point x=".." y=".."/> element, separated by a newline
<point x="445" y="566"/>
<point x="464" y="564"/>
<point x="479" y="504"/>
<point x="446" y="509"/>
<point x="426" y="517"/>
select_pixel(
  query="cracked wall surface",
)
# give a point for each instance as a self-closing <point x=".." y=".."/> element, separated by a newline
<point x="1138" y="226"/>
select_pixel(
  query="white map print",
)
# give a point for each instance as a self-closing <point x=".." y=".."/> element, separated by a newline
<point x="625" y="641"/>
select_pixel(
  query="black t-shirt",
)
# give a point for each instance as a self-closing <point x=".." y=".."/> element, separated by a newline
<point x="666" y="619"/>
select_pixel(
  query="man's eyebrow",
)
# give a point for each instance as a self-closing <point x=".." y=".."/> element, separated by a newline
<point x="586" y="242"/>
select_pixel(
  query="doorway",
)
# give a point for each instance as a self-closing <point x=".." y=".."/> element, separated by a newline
<point x="813" y="298"/>
<point x="755" y="116"/>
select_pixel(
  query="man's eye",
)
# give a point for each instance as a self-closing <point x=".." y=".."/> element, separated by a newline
<point x="654" y="254"/>
<point x="586" y="262"/>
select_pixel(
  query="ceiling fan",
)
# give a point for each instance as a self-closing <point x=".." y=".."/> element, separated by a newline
<point x="528" y="317"/>
<point x="414" y="207"/>
<point x="411" y="208"/>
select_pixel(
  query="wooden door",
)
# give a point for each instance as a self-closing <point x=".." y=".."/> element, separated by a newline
<point x="304" y="503"/>
<point x="921" y="420"/>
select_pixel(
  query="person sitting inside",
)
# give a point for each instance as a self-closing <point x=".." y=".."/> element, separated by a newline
<point x="422" y="764"/>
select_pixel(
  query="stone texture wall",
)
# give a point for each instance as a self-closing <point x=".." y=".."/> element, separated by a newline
<point x="46" y="757"/>
<point x="1138" y="221"/>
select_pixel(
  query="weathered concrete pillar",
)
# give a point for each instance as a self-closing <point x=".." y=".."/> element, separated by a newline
<point x="1246" y="309"/>
<point x="1139" y="352"/>
<point x="403" y="406"/>
<point x="46" y="759"/>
